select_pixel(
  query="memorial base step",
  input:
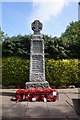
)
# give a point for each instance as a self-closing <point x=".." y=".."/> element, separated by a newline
<point x="42" y="85"/>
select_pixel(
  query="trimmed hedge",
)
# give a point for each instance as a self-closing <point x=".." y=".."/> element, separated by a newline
<point x="0" y="71"/>
<point x="15" y="71"/>
<point x="63" y="72"/>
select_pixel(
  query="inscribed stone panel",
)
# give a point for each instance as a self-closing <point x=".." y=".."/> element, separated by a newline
<point x="37" y="77"/>
<point x="37" y="47"/>
<point x="37" y="64"/>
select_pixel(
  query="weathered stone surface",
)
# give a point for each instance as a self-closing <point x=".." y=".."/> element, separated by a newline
<point x="37" y="84"/>
<point x="36" y="27"/>
<point x="37" y="37"/>
<point x="37" y="60"/>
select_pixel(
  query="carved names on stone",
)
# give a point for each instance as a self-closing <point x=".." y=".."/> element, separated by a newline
<point x="37" y="64"/>
<point x="37" y="46"/>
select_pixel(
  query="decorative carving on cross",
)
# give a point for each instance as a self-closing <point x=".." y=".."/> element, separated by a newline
<point x="36" y="27"/>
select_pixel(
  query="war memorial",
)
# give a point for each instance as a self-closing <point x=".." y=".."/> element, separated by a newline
<point x="37" y="60"/>
<point x="39" y="99"/>
<point x="37" y="89"/>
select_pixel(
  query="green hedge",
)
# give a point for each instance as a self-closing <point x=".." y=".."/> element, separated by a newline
<point x="62" y="72"/>
<point x="0" y="71"/>
<point x="16" y="71"/>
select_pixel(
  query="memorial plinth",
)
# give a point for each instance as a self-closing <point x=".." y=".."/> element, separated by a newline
<point x="37" y="60"/>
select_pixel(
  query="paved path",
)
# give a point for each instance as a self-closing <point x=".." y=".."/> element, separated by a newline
<point x="66" y="108"/>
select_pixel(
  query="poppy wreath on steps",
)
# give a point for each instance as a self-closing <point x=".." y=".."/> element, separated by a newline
<point x="19" y="95"/>
<point x="37" y="94"/>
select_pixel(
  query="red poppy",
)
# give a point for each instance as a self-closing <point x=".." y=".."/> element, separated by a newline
<point x="36" y="94"/>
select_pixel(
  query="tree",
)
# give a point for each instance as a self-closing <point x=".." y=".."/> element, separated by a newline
<point x="1" y="34"/>
<point x="65" y="46"/>
<point x="17" y="46"/>
<point x="54" y="48"/>
<point x="1" y="40"/>
<point x="71" y="38"/>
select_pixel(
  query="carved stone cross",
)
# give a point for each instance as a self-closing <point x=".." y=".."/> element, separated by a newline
<point x="37" y="60"/>
<point x="36" y="27"/>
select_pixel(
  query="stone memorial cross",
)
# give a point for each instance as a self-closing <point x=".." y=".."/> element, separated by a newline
<point x="37" y="60"/>
<point x="36" y="27"/>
